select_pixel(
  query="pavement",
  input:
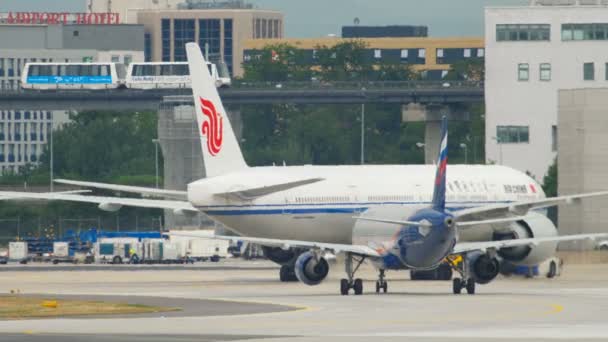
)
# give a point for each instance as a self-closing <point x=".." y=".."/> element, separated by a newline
<point x="250" y="304"/>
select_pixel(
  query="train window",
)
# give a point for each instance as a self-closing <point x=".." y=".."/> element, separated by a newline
<point x="165" y="70"/>
<point x="34" y="70"/>
<point x="95" y="70"/>
<point x="86" y="70"/>
<point x="71" y="70"/>
<point x="181" y="70"/>
<point x="104" y="70"/>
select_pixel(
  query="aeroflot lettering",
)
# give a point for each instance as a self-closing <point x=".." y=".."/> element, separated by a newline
<point x="54" y="18"/>
<point x="212" y="127"/>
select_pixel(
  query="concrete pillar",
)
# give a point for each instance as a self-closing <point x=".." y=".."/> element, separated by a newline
<point x="179" y="138"/>
<point x="431" y="114"/>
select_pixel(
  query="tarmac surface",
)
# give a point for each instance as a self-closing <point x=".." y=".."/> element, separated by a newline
<point x="250" y="304"/>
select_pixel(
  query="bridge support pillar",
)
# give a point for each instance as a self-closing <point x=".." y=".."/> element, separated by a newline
<point x="179" y="139"/>
<point x="431" y="114"/>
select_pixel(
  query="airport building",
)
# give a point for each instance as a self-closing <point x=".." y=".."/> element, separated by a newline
<point x="582" y="163"/>
<point x="223" y="31"/>
<point x="394" y="31"/>
<point x="531" y="53"/>
<point x="433" y="56"/>
<point x="24" y="133"/>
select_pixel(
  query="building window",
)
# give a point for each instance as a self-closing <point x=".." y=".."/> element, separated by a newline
<point x="115" y="59"/>
<point x="377" y="53"/>
<point x="166" y="39"/>
<point x="545" y="72"/>
<point x="404" y="55"/>
<point x="421" y="53"/>
<point x="512" y="134"/>
<point x="597" y="31"/>
<point x="228" y="44"/>
<point x="2" y="67"/>
<point x="481" y="53"/>
<point x="467" y="53"/>
<point x="588" y="71"/>
<point x="11" y="67"/>
<point x="523" y="32"/>
<point x="210" y="34"/>
<point x="554" y="138"/>
<point x="147" y="47"/>
<point x="183" y="32"/>
<point x="523" y="72"/>
<point x="439" y="53"/>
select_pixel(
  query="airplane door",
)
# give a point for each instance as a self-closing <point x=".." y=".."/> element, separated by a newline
<point x="354" y="198"/>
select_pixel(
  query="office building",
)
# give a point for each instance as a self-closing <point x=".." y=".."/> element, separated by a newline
<point x="431" y="56"/>
<point x="223" y="31"/>
<point x="531" y="53"/>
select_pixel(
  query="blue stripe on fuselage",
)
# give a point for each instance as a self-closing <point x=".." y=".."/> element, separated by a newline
<point x="322" y="209"/>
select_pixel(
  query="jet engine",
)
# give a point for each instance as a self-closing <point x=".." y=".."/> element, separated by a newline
<point x="534" y="226"/>
<point x="311" y="269"/>
<point x="482" y="267"/>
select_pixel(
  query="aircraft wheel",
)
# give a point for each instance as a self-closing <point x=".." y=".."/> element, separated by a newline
<point x="552" y="270"/>
<point x="470" y="286"/>
<point x="358" y="286"/>
<point x="344" y="287"/>
<point x="456" y="285"/>
<point x="385" y="287"/>
<point x="117" y="260"/>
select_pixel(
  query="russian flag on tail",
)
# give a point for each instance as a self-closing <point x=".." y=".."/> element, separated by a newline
<point x="438" y="201"/>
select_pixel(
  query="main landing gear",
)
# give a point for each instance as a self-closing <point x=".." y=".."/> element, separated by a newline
<point x="351" y="283"/>
<point x="459" y="264"/>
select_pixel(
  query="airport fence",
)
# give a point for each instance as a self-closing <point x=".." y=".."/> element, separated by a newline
<point x="17" y="228"/>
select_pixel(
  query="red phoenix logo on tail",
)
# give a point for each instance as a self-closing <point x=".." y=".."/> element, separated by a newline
<point x="212" y="127"/>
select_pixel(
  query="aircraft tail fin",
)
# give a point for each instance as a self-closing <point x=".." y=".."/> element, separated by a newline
<point x="221" y="151"/>
<point x="438" y="202"/>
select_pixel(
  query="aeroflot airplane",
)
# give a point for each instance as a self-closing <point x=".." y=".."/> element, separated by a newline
<point x="396" y="216"/>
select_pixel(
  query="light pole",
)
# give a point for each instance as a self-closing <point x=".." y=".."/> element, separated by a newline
<point x="51" y="148"/>
<point x="155" y="141"/>
<point x="363" y="128"/>
<point x="465" y="148"/>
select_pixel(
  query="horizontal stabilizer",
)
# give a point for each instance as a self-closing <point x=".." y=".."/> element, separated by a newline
<point x="251" y="193"/>
<point x="464" y="247"/>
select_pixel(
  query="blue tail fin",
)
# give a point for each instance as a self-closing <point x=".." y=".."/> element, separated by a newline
<point x="438" y="202"/>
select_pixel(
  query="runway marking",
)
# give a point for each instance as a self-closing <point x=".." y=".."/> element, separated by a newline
<point x="297" y="308"/>
<point x="29" y="332"/>
<point x="556" y="308"/>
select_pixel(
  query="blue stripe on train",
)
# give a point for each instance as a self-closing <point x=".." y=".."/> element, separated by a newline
<point x="69" y="79"/>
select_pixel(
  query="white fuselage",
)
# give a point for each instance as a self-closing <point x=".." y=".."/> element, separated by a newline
<point x="324" y="211"/>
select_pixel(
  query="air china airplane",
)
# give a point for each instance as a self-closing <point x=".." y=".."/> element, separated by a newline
<point x="397" y="217"/>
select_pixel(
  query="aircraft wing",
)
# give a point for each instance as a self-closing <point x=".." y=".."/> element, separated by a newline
<point x="105" y="203"/>
<point x="463" y="247"/>
<point x="517" y="208"/>
<point x="250" y="193"/>
<point x="286" y="244"/>
<point x="61" y="192"/>
<point x="127" y="188"/>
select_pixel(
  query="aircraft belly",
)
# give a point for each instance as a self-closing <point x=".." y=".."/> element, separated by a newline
<point x="330" y="228"/>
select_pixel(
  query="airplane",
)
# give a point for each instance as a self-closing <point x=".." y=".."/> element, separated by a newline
<point x="396" y="216"/>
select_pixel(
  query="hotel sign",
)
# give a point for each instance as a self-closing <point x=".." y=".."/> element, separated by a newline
<point x="55" y="18"/>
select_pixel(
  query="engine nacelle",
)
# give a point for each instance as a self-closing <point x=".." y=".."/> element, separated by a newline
<point x="311" y="270"/>
<point x="279" y="255"/>
<point x="482" y="267"/>
<point x="534" y="226"/>
<point x="111" y="207"/>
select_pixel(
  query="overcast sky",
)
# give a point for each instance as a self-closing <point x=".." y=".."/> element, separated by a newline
<point x="315" y="18"/>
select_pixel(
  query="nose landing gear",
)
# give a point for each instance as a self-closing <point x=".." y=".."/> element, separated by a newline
<point x="459" y="264"/>
<point x="381" y="283"/>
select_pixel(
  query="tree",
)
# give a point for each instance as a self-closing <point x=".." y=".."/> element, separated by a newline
<point x="550" y="180"/>
<point x="345" y="61"/>
<point x="277" y="63"/>
<point x="469" y="69"/>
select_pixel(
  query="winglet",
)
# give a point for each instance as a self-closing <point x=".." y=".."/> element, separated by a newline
<point x="438" y="202"/>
